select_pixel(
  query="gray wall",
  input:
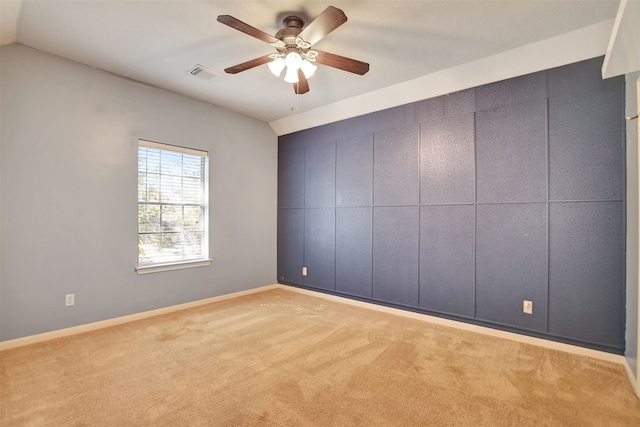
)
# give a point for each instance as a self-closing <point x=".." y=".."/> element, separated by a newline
<point x="631" y="333"/>
<point x="69" y="166"/>
<point x="467" y="204"/>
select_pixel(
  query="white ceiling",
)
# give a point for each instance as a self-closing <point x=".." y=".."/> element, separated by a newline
<point x="157" y="42"/>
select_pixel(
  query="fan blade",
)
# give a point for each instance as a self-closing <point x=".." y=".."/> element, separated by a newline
<point x="246" y="28"/>
<point x="248" y="65"/>
<point x="330" y="19"/>
<point x="303" y="84"/>
<point x="342" y="63"/>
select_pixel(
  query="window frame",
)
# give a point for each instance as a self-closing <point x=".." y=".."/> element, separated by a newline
<point x="154" y="267"/>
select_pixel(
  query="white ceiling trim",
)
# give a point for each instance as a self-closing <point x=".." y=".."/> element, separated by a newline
<point x="623" y="52"/>
<point x="585" y="43"/>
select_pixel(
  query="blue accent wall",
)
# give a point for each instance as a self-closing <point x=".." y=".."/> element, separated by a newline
<point x="465" y="205"/>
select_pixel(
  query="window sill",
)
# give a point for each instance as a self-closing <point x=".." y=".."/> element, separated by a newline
<point x="156" y="268"/>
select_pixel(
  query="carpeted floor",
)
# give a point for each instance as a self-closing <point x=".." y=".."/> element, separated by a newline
<point x="281" y="358"/>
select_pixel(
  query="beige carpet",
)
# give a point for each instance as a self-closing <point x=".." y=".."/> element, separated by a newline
<point x="279" y="358"/>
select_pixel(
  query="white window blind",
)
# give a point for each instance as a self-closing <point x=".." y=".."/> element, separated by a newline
<point x="172" y="204"/>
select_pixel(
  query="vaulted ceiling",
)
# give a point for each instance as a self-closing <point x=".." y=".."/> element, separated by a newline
<point x="404" y="41"/>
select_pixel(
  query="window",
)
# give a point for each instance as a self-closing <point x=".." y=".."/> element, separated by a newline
<point x="172" y="207"/>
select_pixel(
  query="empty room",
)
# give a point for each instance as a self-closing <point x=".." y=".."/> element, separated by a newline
<point x="324" y="213"/>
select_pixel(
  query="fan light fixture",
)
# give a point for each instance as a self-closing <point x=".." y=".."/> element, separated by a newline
<point x="291" y="76"/>
<point x="276" y="66"/>
<point x="294" y="58"/>
<point x="308" y="68"/>
<point x="293" y="62"/>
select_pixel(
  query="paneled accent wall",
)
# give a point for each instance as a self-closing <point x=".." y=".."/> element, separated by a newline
<point x="467" y="204"/>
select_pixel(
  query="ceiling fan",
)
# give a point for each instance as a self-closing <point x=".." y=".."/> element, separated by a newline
<point x="293" y="46"/>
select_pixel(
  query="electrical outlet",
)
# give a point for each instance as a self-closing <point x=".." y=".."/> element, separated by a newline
<point x="527" y="307"/>
<point x="304" y="271"/>
<point x="69" y="300"/>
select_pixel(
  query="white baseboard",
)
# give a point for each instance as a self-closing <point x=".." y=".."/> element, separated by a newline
<point x="568" y="348"/>
<point x="635" y="383"/>
<point x="46" y="336"/>
<point x="601" y="355"/>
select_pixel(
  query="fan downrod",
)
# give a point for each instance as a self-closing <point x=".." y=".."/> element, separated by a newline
<point x="292" y="21"/>
<point x="292" y="27"/>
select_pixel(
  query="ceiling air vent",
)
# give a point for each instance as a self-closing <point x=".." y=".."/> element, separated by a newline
<point x="203" y="73"/>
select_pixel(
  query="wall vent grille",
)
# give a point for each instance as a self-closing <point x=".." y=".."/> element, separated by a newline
<point x="203" y="73"/>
